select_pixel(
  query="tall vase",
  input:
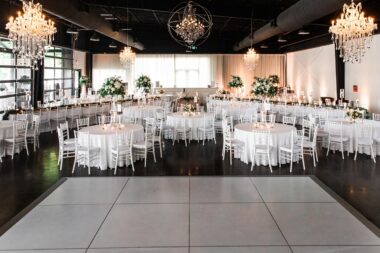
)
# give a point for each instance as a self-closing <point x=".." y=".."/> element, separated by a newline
<point x="83" y="93"/>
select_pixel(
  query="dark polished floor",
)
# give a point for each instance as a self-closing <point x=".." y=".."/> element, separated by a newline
<point x="25" y="178"/>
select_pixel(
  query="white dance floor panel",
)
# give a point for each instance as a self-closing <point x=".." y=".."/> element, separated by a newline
<point x="190" y="214"/>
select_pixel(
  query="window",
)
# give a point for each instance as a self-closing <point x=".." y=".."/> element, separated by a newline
<point x="58" y="73"/>
<point x="15" y="77"/>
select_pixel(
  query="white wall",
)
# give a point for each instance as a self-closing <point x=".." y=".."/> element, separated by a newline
<point x="312" y="72"/>
<point x="367" y="76"/>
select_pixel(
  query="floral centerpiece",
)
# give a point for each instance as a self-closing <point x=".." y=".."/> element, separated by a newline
<point x="189" y="108"/>
<point x="236" y="82"/>
<point x="84" y="81"/>
<point x="266" y="86"/>
<point x="144" y="83"/>
<point x="112" y="86"/>
<point x="222" y="92"/>
<point x="357" y="113"/>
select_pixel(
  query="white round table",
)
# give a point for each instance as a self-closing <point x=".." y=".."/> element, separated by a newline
<point x="141" y="111"/>
<point x="105" y="139"/>
<point x="249" y="133"/>
<point x="193" y="120"/>
<point x="348" y="129"/>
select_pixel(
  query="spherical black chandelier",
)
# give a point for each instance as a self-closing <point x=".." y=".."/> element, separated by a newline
<point x="190" y="24"/>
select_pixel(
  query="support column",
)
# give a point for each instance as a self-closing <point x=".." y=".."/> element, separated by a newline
<point x="37" y="91"/>
<point x="340" y="72"/>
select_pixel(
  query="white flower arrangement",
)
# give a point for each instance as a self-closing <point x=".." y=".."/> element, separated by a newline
<point x="266" y="87"/>
<point x="112" y="86"/>
<point x="236" y="82"/>
<point x="144" y="83"/>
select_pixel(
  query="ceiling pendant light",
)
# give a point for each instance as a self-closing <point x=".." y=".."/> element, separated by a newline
<point x="190" y="24"/>
<point x="251" y="57"/>
<point x="31" y="33"/>
<point x="94" y="37"/>
<point x="352" y="32"/>
<point x="112" y="45"/>
<point x="127" y="56"/>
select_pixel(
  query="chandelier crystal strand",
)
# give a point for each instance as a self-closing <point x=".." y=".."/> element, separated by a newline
<point x="127" y="56"/>
<point x="251" y="58"/>
<point x="31" y="33"/>
<point x="190" y="24"/>
<point x="352" y="33"/>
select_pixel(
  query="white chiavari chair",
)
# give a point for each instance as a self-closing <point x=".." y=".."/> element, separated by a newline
<point x="336" y="137"/>
<point x="33" y="134"/>
<point x="81" y="123"/>
<point x="74" y="113"/>
<point x="104" y="119"/>
<point x="141" y="149"/>
<point x="293" y="152"/>
<point x="364" y="139"/>
<point x="310" y="145"/>
<point x="207" y="130"/>
<point x="64" y="127"/>
<point x="58" y="115"/>
<point x="66" y="149"/>
<point x="289" y="120"/>
<point x="19" y="137"/>
<point x="231" y="145"/>
<point x="123" y="150"/>
<point x="85" y="153"/>
<point x="262" y="149"/>
<point x="181" y="132"/>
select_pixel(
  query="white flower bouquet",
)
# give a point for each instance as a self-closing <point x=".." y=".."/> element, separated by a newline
<point x="236" y="82"/>
<point x="144" y="83"/>
<point x="266" y="87"/>
<point x="112" y="86"/>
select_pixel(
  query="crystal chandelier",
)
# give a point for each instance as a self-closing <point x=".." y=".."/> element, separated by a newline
<point x="190" y="25"/>
<point x="31" y="33"/>
<point x="127" y="56"/>
<point x="251" y="57"/>
<point x="352" y="32"/>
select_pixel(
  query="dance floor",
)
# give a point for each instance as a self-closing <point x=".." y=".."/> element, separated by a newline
<point x="191" y="214"/>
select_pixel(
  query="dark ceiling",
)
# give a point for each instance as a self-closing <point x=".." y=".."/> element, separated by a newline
<point x="231" y="23"/>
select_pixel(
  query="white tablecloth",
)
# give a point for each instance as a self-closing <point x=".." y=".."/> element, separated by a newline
<point x="279" y="135"/>
<point x="141" y="112"/>
<point x="6" y="131"/>
<point x="106" y="139"/>
<point x="349" y="131"/>
<point x="192" y="120"/>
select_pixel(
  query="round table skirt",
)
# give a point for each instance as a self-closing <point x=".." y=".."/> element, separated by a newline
<point x="107" y="139"/>
<point x="349" y="131"/>
<point x="280" y="135"/>
<point x="194" y="122"/>
<point x="141" y="112"/>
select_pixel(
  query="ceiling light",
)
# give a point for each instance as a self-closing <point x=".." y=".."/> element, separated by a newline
<point x="110" y="18"/>
<point x="94" y="37"/>
<point x="281" y="39"/>
<point x="72" y="30"/>
<point x="190" y="24"/>
<point x="106" y="15"/>
<point x="31" y="33"/>
<point x="352" y="32"/>
<point x="303" y="32"/>
<point x="127" y="56"/>
<point x="112" y="45"/>
<point x="264" y="46"/>
<point x="126" y="29"/>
